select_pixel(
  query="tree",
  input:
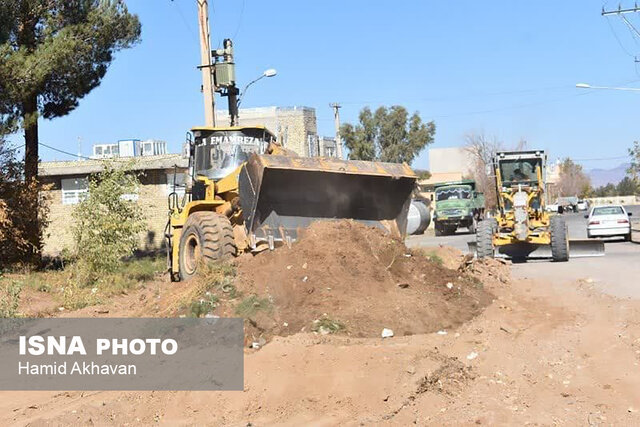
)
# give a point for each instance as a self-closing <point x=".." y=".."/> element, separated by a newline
<point x="627" y="187"/>
<point x="608" y="190"/>
<point x="18" y="196"/>
<point x="573" y="181"/>
<point x="388" y="135"/>
<point x="53" y="53"/>
<point x="481" y="151"/>
<point x="634" y="169"/>
<point x="107" y="223"/>
<point x="422" y="173"/>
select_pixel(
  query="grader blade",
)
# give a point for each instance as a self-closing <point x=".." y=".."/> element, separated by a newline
<point x="521" y="251"/>
<point x="281" y="195"/>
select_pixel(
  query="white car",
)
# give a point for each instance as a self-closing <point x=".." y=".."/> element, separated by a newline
<point x="552" y="207"/>
<point x="583" y="205"/>
<point x="608" y="221"/>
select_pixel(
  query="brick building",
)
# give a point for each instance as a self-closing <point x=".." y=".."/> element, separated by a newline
<point x="295" y="127"/>
<point x="69" y="181"/>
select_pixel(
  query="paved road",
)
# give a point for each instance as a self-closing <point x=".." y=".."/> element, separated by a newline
<point x="617" y="273"/>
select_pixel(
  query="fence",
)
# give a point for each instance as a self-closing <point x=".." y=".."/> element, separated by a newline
<point x="615" y="200"/>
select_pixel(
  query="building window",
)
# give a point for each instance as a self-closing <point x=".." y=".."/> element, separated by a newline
<point x="74" y="190"/>
<point x="312" y="142"/>
<point x="180" y="183"/>
<point x="329" y="151"/>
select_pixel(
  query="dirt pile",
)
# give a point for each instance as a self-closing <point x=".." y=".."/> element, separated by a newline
<point x="349" y="278"/>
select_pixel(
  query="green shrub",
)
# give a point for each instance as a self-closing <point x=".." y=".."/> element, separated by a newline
<point x="107" y="225"/>
<point x="326" y="325"/>
<point x="9" y="299"/>
<point x="204" y="306"/>
<point x="434" y="258"/>
<point x="249" y="306"/>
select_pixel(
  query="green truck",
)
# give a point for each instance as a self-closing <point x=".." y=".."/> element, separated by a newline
<point x="457" y="204"/>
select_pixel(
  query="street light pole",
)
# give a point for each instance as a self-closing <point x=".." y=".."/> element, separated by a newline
<point x="267" y="73"/>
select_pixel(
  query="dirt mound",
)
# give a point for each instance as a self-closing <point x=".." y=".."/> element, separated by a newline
<point x="349" y="278"/>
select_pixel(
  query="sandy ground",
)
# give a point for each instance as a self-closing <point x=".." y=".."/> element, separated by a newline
<point x="542" y="353"/>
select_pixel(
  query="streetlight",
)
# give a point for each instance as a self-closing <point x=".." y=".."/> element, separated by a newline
<point x="267" y="73"/>
<point x="588" y="86"/>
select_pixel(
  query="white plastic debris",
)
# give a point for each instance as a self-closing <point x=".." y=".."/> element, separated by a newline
<point x="441" y="332"/>
<point x="449" y="285"/>
<point x="257" y="344"/>
<point x="387" y="333"/>
<point x="305" y="278"/>
<point x="472" y="355"/>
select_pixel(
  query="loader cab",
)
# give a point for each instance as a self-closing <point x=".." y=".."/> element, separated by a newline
<point x="216" y="152"/>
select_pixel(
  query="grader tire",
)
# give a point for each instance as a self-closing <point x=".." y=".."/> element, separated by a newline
<point x="484" y="239"/>
<point x="206" y="237"/>
<point x="559" y="239"/>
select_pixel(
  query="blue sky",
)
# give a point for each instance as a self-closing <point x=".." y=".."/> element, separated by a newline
<point x="506" y="68"/>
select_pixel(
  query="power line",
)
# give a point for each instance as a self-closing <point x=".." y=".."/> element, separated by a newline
<point x="601" y="159"/>
<point x="512" y="107"/>
<point x="64" y="152"/>
<point x="630" y="26"/>
<point x="239" y="20"/>
<point x="618" y="40"/>
<point x="183" y="18"/>
<point x="463" y="97"/>
<point x="12" y="149"/>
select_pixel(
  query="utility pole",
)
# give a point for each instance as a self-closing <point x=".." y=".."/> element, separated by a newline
<point x="620" y="11"/>
<point x="336" y="117"/>
<point x="206" y="67"/>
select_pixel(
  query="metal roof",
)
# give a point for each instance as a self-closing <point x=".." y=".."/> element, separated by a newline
<point x="84" y="167"/>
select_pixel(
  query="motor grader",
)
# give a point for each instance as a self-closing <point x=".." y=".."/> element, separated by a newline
<point x="248" y="193"/>
<point x="523" y="228"/>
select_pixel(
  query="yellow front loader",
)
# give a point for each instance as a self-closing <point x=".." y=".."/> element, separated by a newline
<point x="248" y="194"/>
<point x="523" y="228"/>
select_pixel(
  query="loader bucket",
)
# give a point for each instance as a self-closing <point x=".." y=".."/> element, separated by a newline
<point x="281" y="195"/>
<point x="521" y="251"/>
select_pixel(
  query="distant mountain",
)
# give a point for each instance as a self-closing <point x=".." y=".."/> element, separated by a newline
<point x="600" y="177"/>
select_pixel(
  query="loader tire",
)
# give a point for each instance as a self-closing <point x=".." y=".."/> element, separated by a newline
<point x="559" y="239"/>
<point x="484" y="239"/>
<point x="206" y="237"/>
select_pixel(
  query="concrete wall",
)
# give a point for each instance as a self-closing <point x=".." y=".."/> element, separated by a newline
<point x="152" y="197"/>
<point x="615" y="200"/>
<point x="450" y="160"/>
<point x="292" y="125"/>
